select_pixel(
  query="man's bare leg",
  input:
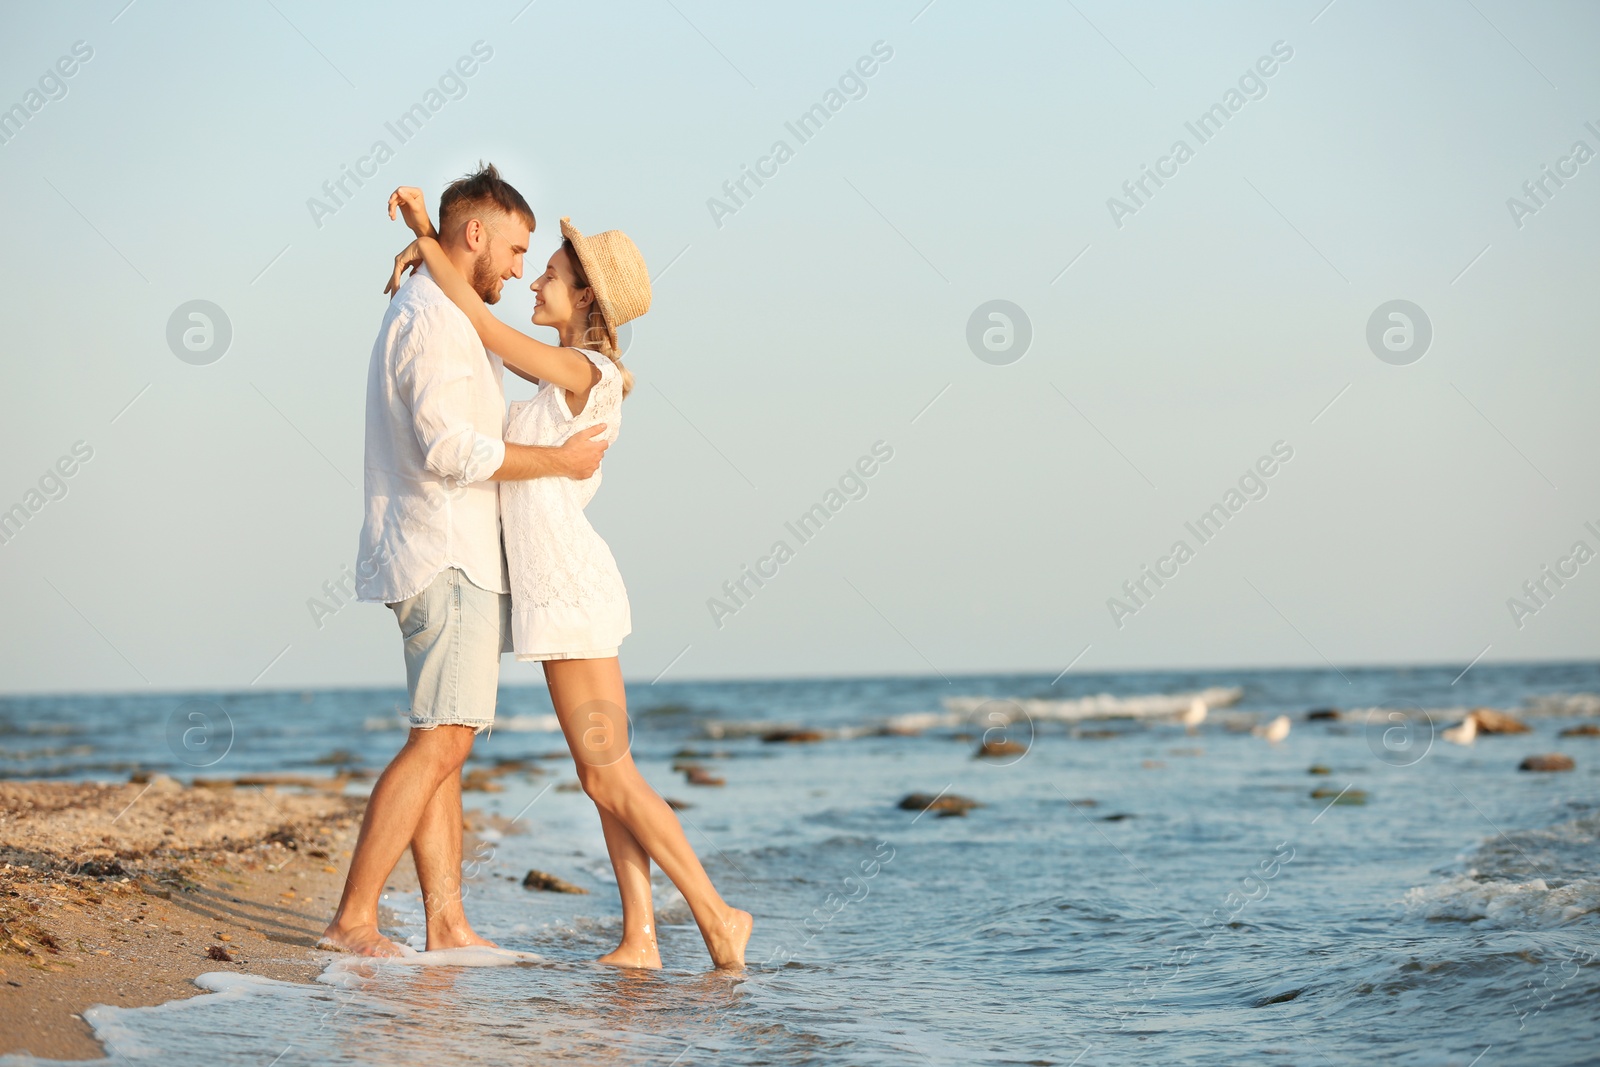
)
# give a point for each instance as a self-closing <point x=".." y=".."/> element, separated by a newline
<point x="394" y="811"/>
<point x="632" y="866"/>
<point x="436" y="850"/>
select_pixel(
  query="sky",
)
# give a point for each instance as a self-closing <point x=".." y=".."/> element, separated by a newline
<point x="1385" y="482"/>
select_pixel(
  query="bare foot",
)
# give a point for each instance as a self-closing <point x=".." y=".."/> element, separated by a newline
<point x="463" y="936"/>
<point x="726" y="943"/>
<point x="357" y="940"/>
<point x="640" y="954"/>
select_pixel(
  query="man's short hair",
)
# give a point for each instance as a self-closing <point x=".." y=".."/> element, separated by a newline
<point x="481" y="191"/>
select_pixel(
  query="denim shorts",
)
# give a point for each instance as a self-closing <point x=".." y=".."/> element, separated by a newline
<point x="454" y="634"/>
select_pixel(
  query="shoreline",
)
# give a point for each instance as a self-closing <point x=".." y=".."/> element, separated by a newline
<point x="122" y="894"/>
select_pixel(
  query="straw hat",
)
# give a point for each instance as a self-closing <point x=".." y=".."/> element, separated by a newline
<point x="616" y="273"/>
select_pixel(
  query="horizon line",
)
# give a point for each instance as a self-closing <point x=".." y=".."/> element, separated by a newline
<point x="1440" y="665"/>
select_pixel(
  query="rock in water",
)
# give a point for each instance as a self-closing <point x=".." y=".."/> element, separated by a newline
<point x="793" y="737"/>
<point x="1587" y="729"/>
<point x="1491" y="721"/>
<point x="701" y="776"/>
<point x="1321" y="714"/>
<point x="943" y="804"/>
<point x="1000" y="748"/>
<point x="1549" y="761"/>
<point x="549" y="883"/>
<point x="480" y="780"/>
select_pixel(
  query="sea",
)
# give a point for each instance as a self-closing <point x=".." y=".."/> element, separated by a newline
<point x="1128" y="889"/>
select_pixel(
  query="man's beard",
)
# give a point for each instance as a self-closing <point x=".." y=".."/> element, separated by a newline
<point x="485" y="279"/>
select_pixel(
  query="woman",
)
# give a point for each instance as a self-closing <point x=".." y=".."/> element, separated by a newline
<point x="569" y="607"/>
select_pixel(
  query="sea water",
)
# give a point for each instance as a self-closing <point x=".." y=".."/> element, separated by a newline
<point x="1127" y="892"/>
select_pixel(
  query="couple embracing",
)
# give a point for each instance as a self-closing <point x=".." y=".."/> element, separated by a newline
<point x="448" y="472"/>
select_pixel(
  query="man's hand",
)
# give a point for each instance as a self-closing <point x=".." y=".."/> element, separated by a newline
<point x="413" y="208"/>
<point x="582" y="452"/>
<point x="410" y="256"/>
<point x="578" y="458"/>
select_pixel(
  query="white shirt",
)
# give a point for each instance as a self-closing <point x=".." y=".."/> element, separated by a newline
<point x="435" y="414"/>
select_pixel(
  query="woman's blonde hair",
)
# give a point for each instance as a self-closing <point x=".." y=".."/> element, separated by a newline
<point x="595" y="334"/>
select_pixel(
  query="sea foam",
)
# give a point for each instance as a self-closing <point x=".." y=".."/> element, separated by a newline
<point x="1525" y="879"/>
<point x="1512" y="905"/>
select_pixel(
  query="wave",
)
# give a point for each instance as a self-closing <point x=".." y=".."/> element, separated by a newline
<point x="1526" y="879"/>
<point x="1564" y="704"/>
<point x="1527" y="905"/>
<point x="989" y="711"/>
<point x="1099" y="706"/>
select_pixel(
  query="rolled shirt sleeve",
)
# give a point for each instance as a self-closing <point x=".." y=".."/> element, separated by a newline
<point x="439" y="391"/>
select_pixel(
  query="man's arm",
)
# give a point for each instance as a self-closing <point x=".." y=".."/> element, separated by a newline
<point x="433" y="368"/>
<point x="578" y="458"/>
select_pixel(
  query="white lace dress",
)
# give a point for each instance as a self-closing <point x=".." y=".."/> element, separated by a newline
<point x="567" y="597"/>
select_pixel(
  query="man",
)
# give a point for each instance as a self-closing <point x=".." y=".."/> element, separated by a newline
<point x="430" y="550"/>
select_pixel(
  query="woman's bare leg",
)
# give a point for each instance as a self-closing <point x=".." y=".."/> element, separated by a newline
<point x="632" y="866"/>
<point x="591" y="703"/>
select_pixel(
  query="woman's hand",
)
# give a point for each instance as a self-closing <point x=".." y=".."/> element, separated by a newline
<point x="410" y="256"/>
<point x="413" y="208"/>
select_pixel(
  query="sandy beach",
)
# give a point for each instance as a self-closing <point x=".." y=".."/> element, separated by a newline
<point x="121" y="894"/>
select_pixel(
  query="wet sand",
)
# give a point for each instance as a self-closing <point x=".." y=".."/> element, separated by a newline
<point x="122" y="894"/>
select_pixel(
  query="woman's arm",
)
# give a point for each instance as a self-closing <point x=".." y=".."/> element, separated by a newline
<point x="565" y="367"/>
